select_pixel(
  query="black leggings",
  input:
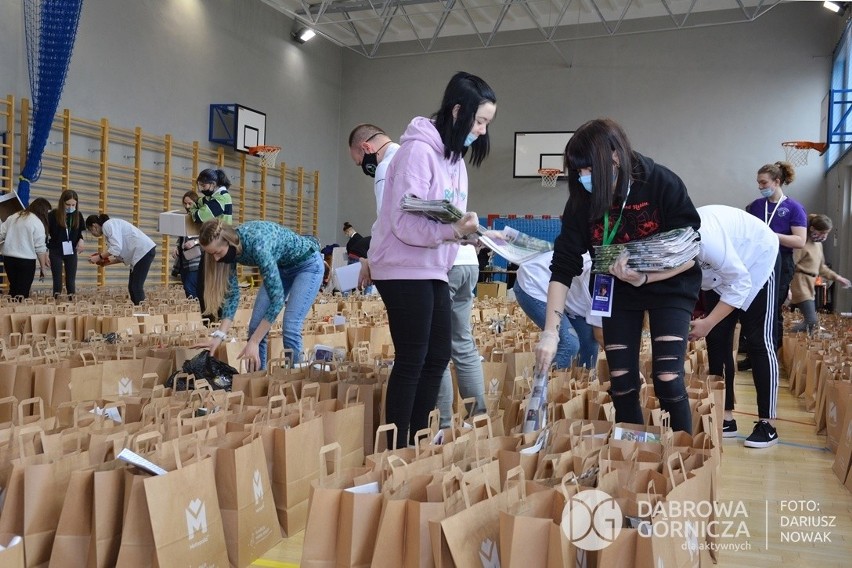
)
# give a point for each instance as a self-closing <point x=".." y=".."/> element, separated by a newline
<point x="69" y="262"/>
<point x="138" y="275"/>
<point x="21" y="273"/>
<point x="419" y="320"/>
<point x="757" y="324"/>
<point x="622" y="341"/>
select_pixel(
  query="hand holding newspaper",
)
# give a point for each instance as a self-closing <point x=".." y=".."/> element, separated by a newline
<point x="511" y="244"/>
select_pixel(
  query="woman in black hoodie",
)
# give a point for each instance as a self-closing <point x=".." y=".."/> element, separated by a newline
<point x="616" y="195"/>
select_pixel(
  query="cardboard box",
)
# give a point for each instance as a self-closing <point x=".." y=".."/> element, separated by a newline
<point x="9" y="203"/>
<point x="178" y="224"/>
<point x="491" y="289"/>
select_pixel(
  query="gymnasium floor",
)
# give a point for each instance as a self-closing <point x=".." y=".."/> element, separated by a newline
<point x="797" y="468"/>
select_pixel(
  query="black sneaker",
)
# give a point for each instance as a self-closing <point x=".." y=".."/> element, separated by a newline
<point x="729" y="428"/>
<point x="744" y="365"/>
<point x="763" y="436"/>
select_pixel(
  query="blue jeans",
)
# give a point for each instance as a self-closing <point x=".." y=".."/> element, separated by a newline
<point x="189" y="278"/>
<point x="465" y="355"/>
<point x="536" y="310"/>
<point x="301" y="285"/>
<point x="588" y="355"/>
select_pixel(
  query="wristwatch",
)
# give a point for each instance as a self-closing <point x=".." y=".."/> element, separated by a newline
<point x="219" y="334"/>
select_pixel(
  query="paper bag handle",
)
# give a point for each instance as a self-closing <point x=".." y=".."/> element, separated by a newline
<point x="335" y="451"/>
<point x="13" y="404"/>
<point x="235" y="395"/>
<point x="278" y="398"/>
<point x="311" y="390"/>
<point x="145" y="437"/>
<point x="34" y="402"/>
<point x="88" y="357"/>
<point x="380" y="430"/>
<point x="671" y="458"/>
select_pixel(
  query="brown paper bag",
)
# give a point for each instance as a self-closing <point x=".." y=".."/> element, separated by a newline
<point x="74" y="530"/>
<point x="106" y="523"/>
<point x="292" y="473"/>
<point x="185" y="518"/>
<point x="342" y="525"/>
<point x="45" y="489"/>
<point x="245" y="498"/>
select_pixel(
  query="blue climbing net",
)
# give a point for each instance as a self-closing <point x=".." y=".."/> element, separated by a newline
<point x="50" y="28"/>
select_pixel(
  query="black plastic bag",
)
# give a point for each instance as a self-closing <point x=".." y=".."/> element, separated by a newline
<point x="205" y="366"/>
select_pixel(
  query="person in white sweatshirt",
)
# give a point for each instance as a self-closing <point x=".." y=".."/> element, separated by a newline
<point x="739" y="265"/>
<point x="23" y="237"/>
<point x="125" y="243"/>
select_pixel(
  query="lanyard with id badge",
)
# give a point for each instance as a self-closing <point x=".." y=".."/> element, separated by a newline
<point x="604" y="284"/>
<point x="67" y="246"/>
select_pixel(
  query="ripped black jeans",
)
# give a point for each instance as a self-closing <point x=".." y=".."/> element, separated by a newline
<point x="622" y="341"/>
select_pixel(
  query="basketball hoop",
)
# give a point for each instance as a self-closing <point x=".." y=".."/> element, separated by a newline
<point x="797" y="152"/>
<point x="268" y="154"/>
<point x="549" y="176"/>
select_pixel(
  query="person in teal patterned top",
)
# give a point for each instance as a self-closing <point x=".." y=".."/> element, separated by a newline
<point x="291" y="267"/>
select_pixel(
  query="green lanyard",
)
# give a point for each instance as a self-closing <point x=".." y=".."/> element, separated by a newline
<point x="609" y="235"/>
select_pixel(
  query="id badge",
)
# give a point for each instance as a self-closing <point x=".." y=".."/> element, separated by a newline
<point x="602" y="290"/>
<point x="67" y="248"/>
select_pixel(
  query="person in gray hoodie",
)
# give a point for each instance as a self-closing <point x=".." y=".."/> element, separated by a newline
<point x="410" y="254"/>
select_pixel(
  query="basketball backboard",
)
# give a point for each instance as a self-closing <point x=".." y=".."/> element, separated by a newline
<point x="237" y="126"/>
<point x="539" y="150"/>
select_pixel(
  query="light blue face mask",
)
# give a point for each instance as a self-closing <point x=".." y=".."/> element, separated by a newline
<point x="767" y="192"/>
<point x="471" y="138"/>
<point x="586" y="181"/>
<point x="70" y="210"/>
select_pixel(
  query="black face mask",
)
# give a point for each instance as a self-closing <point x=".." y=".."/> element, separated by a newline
<point x="369" y="164"/>
<point x="230" y="257"/>
<point x="207" y="192"/>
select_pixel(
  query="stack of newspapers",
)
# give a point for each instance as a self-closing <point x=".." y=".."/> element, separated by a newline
<point x="511" y="244"/>
<point x="654" y="254"/>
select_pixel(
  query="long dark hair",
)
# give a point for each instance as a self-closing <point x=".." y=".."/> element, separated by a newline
<point x="468" y="91"/>
<point x="60" y="209"/>
<point x="214" y="176"/>
<point x="599" y="144"/>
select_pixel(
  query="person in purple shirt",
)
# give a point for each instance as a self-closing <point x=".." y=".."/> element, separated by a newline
<point x="787" y="218"/>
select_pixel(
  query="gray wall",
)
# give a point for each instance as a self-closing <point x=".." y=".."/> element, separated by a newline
<point x="713" y="104"/>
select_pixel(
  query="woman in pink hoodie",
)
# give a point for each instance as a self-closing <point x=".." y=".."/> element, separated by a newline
<point x="410" y="254"/>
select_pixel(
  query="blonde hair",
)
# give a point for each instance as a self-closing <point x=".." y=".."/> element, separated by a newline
<point x="216" y="274"/>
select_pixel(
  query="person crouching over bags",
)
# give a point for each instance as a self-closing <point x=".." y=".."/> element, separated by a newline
<point x="291" y="267"/>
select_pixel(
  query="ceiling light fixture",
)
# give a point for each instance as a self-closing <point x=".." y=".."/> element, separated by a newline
<point x="303" y="34"/>
<point x="833" y="6"/>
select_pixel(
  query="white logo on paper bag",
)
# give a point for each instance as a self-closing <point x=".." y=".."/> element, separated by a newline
<point x="125" y="386"/>
<point x="488" y="554"/>
<point x="832" y="413"/>
<point x="196" y="517"/>
<point x="257" y="486"/>
<point x="591" y="520"/>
